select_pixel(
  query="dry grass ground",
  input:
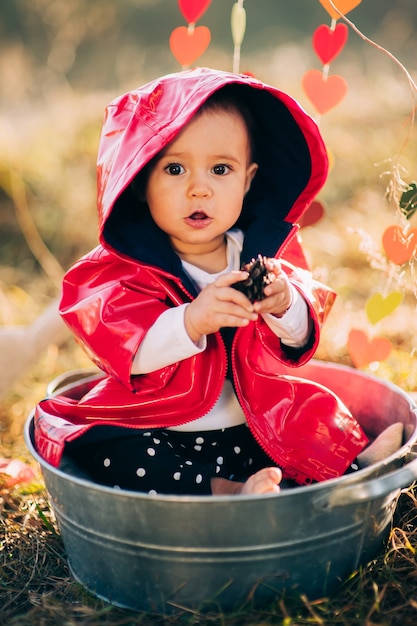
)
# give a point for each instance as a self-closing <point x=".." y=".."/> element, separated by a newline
<point x="52" y="152"/>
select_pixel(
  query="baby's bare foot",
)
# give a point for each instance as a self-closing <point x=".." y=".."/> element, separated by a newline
<point x="265" y="481"/>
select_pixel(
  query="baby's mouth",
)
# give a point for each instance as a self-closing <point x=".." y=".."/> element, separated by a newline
<point x="198" y="215"/>
<point x="198" y="219"/>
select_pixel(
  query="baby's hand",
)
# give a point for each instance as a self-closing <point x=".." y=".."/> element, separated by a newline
<point x="277" y="293"/>
<point x="219" y="305"/>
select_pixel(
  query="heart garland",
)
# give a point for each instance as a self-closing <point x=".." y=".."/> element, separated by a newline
<point x="327" y="92"/>
<point x="192" y="10"/>
<point x="324" y="91"/>
<point x="399" y="246"/>
<point x="378" y="306"/>
<point x="344" y="6"/>
<point x="364" y="350"/>
<point x="189" y="43"/>
<point x="328" y="42"/>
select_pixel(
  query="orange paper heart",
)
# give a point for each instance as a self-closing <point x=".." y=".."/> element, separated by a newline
<point x="343" y="5"/>
<point x="187" y="45"/>
<point x="377" y="307"/>
<point x="399" y="247"/>
<point x="328" y="43"/>
<point x="312" y="215"/>
<point x="324" y="93"/>
<point x="363" y="350"/>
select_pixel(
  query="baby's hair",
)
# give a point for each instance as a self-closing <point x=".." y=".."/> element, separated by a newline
<point x="230" y="100"/>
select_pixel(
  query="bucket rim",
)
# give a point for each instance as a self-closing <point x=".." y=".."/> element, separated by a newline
<point x="356" y="478"/>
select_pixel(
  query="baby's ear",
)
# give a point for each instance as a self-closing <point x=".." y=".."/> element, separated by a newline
<point x="250" y="175"/>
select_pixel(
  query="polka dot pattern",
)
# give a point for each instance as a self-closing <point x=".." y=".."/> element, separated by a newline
<point x="174" y="462"/>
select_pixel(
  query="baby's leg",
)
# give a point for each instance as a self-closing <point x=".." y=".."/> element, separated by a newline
<point x="387" y="442"/>
<point x="149" y="461"/>
<point x="264" y="481"/>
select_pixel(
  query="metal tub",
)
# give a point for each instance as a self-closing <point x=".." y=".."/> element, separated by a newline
<point x="158" y="553"/>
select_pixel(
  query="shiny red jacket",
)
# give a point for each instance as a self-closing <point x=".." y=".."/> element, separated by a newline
<point x="116" y="292"/>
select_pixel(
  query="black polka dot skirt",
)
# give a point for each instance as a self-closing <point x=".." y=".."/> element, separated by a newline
<point x="172" y="462"/>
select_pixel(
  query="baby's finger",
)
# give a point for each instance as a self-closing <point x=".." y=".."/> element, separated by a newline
<point x="226" y="293"/>
<point x="234" y="303"/>
<point x="273" y="265"/>
<point x="226" y="280"/>
<point x="278" y="286"/>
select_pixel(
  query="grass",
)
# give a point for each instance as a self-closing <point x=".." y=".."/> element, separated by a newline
<point x="44" y="155"/>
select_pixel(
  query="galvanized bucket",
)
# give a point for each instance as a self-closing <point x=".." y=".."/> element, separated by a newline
<point x="158" y="553"/>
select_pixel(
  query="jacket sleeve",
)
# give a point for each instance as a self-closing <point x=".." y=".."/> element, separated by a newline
<point x="259" y="350"/>
<point x="318" y="297"/>
<point x="110" y="315"/>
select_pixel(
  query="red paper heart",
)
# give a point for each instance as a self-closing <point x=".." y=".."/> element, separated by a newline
<point x="192" y="10"/>
<point x="312" y="215"/>
<point x="324" y="93"/>
<point x="343" y="5"/>
<point x="327" y="43"/>
<point x="399" y="246"/>
<point x="186" y="45"/>
<point x="363" y="350"/>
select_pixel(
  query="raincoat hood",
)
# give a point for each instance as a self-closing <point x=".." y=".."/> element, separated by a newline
<point x="288" y="148"/>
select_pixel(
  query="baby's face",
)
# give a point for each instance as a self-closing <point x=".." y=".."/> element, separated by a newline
<point x="196" y="188"/>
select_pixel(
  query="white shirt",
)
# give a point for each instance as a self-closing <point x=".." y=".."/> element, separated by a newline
<point x="167" y="341"/>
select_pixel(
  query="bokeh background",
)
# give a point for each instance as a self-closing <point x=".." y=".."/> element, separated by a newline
<point x="61" y="62"/>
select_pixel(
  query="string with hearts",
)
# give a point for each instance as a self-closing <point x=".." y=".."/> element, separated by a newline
<point x="395" y="258"/>
<point x="325" y="91"/>
<point x="364" y="350"/>
<point x="189" y="43"/>
<point x="400" y="245"/>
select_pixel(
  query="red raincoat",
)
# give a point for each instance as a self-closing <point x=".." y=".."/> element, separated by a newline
<point x="116" y="292"/>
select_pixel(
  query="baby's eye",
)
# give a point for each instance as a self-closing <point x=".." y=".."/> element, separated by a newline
<point x="221" y="169"/>
<point x="174" y="169"/>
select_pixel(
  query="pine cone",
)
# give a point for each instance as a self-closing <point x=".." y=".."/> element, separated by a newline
<point x="259" y="277"/>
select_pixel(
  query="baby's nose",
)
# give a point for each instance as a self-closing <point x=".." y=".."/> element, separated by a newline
<point x="199" y="186"/>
